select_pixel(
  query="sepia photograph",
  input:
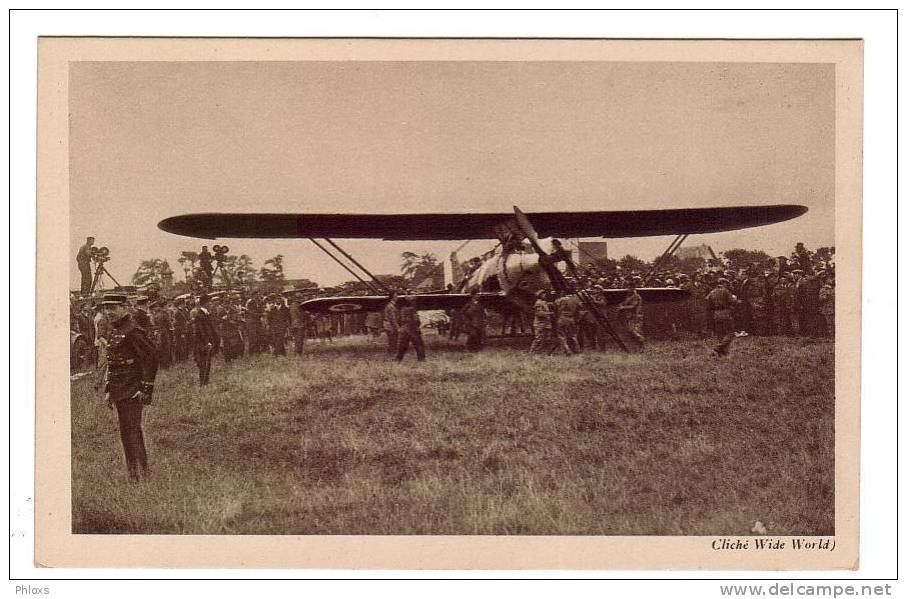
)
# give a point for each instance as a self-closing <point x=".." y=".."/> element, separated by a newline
<point x="507" y="290"/>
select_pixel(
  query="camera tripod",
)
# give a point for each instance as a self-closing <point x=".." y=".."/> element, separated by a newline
<point x="220" y="256"/>
<point x="96" y="281"/>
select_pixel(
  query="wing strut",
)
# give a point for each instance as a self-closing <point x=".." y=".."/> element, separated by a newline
<point x="675" y="245"/>
<point x="345" y="267"/>
<point x="362" y="268"/>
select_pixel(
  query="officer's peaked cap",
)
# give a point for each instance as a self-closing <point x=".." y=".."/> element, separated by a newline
<point x="113" y="299"/>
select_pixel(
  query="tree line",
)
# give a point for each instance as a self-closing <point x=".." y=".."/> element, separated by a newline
<point x="239" y="271"/>
<point x="232" y="271"/>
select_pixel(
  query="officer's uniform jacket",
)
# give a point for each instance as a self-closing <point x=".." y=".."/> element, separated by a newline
<point x="279" y="318"/>
<point x="720" y="302"/>
<point x="391" y="322"/>
<point x="567" y="308"/>
<point x="131" y="359"/>
<point x="542" y="314"/>
<point x="142" y="319"/>
<point x="755" y="290"/>
<point x="202" y="328"/>
<point x="409" y="320"/>
<point x="474" y="314"/>
<point x="631" y="307"/>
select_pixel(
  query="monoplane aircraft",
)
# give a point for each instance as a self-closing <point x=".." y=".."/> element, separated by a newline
<point x="506" y="278"/>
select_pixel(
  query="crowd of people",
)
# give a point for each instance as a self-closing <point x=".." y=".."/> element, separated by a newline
<point x="787" y="295"/>
<point x="235" y="324"/>
<point x="132" y="336"/>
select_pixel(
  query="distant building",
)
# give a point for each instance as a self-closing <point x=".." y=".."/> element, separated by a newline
<point x="453" y="270"/>
<point x="430" y="283"/>
<point x="300" y="284"/>
<point x="697" y="251"/>
<point x="591" y="251"/>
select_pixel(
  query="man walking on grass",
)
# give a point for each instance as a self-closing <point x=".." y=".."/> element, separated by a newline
<point x="391" y="323"/>
<point x="721" y="302"/>
<point x="410" y="330"/>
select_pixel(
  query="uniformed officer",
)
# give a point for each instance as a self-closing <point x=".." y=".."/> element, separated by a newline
<point x="541" y="323"/>
<point x="456" y="323"/>
<point x="410" y="330"/>
<point x="827" y="303"/>
<point x="232" y="334"/>
<point x="181" y="332"/>
<point x="278" y="323"/>
<point x="131" y="369"/>
<point x="160" y="332"/>
<point x="203" y="339"/>
<point x="373" y="324"/>
<point x="590" y="332"/>
<point x="140" y="315"/>
<point x="808" y="290"/>
<point x="631" y="310"/>
<point x="699" y="311"/>
<point x="567" y="307"/>
<point x="297" y="325"/>
<point x="474" y="322"/>
<point x="391" y="323"/>
<point x="721" y="302"/>
<point x="783" y="303"/>
<point x="755" y="293"/>
<point x="798" y="318"/>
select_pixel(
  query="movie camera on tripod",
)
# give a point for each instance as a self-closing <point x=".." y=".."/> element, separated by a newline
<point x="220" y="254"/>
<point x="220" y="258"/>
<point x="99" y="255"/>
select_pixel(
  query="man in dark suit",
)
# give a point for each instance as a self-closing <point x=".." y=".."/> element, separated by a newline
<point x="203" y="337"/>
<point x="83" y="260"/>
<point x="131" y="369"/>
<point x="278" y="323"/>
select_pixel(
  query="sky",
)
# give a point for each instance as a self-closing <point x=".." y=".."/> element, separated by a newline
<point x="150" y="140"/>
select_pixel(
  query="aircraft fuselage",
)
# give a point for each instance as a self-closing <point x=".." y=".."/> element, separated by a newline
<point x="515" y="271"/>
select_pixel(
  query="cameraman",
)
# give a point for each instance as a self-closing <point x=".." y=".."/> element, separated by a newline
<point x="204" y="262"/>
<point x="83" y="260"/>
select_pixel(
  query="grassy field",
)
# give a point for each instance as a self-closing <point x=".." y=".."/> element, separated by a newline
<point x="343" y="441"/>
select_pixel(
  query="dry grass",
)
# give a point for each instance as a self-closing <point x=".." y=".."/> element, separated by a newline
<point x="343" y="441"/>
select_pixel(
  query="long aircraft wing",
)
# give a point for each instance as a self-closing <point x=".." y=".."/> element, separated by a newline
<point x="451" y="301"/>
<point x="608" y="224"/>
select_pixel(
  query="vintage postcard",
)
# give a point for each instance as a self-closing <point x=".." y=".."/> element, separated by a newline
<point x="448" y="304"/>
